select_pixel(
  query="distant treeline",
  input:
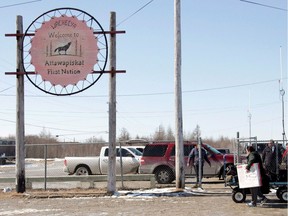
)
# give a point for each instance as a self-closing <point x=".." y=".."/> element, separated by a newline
<point x="61" y="150"/>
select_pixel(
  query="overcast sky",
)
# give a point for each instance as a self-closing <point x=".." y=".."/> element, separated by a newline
<point x="231" y="66"/>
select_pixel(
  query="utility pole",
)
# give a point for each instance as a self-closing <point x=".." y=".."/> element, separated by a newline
<point x="282" y="93"/>
<point x="249" y="118"/>
<point x="179" y="161"/>
<point x="111" y="183"/>
<point x="20" y="146"/>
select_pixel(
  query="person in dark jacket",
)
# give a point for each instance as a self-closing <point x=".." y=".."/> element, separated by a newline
<point x="194" y="158"/>
<point x="254" y="157"/>
<point x="285" y="157"/>
<point x="269" y="156"/>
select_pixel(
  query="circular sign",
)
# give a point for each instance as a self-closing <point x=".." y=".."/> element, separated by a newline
<point x="64" y="51"/>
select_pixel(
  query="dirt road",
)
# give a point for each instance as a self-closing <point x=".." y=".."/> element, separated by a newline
<point x="213" y="200"/>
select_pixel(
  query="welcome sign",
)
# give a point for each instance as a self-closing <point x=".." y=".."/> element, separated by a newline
<point x="251" y="178"/>
<point x="64" y="50"/>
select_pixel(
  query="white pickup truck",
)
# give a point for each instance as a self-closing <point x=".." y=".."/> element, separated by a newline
<point x="99" y="165"/>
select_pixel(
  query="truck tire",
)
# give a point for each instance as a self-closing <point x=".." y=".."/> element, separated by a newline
<point x="82" y="170"/>
<point x="2" y="161"/>
<point x="164" y="175"/>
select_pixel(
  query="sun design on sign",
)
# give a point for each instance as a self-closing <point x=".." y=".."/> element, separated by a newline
<point x="64" y="50"/>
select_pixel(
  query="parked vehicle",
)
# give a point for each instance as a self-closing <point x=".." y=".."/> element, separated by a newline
<point x="7" y="151"/>
<point x="2" y="159"/>
<point x="159" y="159"/>
<point x="224" y="150"/>
<point x="139" y="148"/>
<point x="99" y="165"/>
<point x="139" y="144"/>
<point x="260" y="146"/>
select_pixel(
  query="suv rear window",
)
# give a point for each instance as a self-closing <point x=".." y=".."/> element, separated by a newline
<point x="155" y="150"/>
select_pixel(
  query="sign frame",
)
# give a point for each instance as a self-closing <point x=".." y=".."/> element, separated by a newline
<point x="72" y="88"/>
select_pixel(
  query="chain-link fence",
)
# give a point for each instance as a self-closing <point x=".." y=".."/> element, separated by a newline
<point x="45" y="161"/>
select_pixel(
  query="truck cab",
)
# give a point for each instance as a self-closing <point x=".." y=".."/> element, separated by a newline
<point x="128" y="159"/>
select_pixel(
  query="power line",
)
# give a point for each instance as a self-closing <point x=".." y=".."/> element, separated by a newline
<point x="203" y="90"/>
<point x="164" y="93"/>
<point x="54" y="128"/>
<point x="233" y="86"/>
<point x="12" y="5"/>
<point x="6" y="89"/>
<point x="263" y="5"/>
<point x="135" y="12"/>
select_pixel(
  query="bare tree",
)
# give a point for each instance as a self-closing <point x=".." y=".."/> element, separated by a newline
<point x="124" y="135"/>
<point x="221" y="142"/>
<point x="197" y="132"/>
<point x="95" y="140"/>
<point x="34" y="139"/>
<point x="44" y="137"/>
<point x="159" y="134"/>
<point x="170" y="135"/>
<point x="45" y="134"/>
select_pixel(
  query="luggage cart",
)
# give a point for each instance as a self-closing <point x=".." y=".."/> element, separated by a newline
<point x="239" y="194"/>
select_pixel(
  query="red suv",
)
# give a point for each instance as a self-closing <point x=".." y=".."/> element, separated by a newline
<point x="159" y="159"/>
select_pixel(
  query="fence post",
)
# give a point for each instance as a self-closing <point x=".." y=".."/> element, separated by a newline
<point x="121" y="164"/>
<point x="45" y="167"/>
<point x="28" y="184"/>
<point x="200" y="162"/>
<point x="238" y="148"/>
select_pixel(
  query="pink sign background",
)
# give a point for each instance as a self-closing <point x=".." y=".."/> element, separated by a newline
<point x="64" y="51"/>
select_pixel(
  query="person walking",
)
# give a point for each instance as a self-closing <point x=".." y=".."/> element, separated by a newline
<point x="270" y="164"/>
<point x="254" y="157"/>
<point x="285" y="157"/>
<point x="194" y="160"/>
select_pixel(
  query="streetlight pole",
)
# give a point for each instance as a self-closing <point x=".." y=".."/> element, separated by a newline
<point x="282" y="93"/>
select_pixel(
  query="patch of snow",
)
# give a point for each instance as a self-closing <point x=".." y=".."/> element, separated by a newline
<point x="8" y="165"/>
<point x="7" y="189"/>
<point x="169" y="192"/>
<point x="26" y="211"/>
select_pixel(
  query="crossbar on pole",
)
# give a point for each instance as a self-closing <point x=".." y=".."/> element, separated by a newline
<point x="32" y="34"/>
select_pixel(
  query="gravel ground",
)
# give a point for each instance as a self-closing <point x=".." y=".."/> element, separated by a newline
<point x="214" y="199"/>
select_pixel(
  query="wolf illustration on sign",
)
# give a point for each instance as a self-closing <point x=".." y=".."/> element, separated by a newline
<point x="62" y="48"/>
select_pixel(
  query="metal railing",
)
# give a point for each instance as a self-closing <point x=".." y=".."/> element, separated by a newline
<point x="44" y="163"/>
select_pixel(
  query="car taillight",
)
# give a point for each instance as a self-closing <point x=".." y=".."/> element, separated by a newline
<point x="141" y="161"/>
<point x="65" y="162"/>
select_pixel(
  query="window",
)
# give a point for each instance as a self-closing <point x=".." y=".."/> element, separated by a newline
<point x="124" y="152"/>
<point x="106" y="152"/>
<point x="155" y="150"/>
<point x="187" y="150"/>
<point x="135" y="151"/>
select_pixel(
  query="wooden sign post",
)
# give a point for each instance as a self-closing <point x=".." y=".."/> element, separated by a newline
<point x="20" y="134"/>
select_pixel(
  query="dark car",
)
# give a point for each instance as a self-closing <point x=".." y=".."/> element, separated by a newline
<point x="7" y="151"/>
